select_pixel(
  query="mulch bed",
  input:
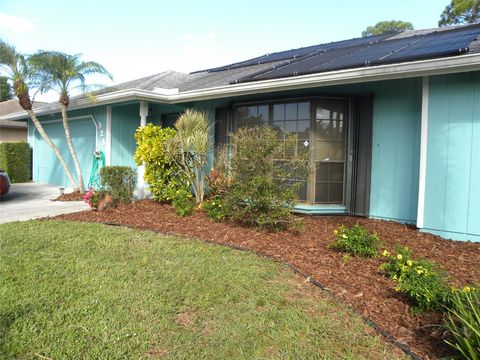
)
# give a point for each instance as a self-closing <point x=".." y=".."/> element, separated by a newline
<point x="358" y="282"/>
<point x="73" y="196"/>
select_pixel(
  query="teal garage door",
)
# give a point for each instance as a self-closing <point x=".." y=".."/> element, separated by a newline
<point x="46" y="167"/>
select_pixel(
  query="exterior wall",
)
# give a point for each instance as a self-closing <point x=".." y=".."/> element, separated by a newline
<point x="13" y="134"/>
<point x="125" y="121"/>
<point x="452" y="184"/>
<point x="86" y="139"/>
<point x="395" y="142"/>
<point x="396" y="150"/>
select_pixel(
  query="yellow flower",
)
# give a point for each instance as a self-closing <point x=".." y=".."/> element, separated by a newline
<point x="344" y="236"/>
<point x="466" y="289"/>
<point x="385" y="253"/>
<point x="409" y="263"/>
<point x="397" y="289"/>
<point x="335" y="232"/>
<point x="419" y="272"/>
<point x="399" y="257"/>
<point x="219" y="205"/>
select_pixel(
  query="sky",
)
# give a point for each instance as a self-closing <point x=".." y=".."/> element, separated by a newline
<point x="135" y="38"/>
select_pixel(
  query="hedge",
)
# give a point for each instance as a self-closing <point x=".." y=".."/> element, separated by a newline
<point x="15" y="160"/>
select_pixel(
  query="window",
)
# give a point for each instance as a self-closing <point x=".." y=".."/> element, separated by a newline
<point x="320" y="126"/>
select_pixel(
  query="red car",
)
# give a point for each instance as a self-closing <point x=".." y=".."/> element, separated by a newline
<point x="4" y="183"/>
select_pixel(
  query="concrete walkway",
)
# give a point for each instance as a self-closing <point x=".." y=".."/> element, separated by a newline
<point x="29" y="201"/>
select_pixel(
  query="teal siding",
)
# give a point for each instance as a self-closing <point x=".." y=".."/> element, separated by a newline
<point x="396" y="150"/>
<point x="396" y="141"/>
<point x="125" y="121"/>
<point x="452" y="205"/>
<point x="85" y="137"/>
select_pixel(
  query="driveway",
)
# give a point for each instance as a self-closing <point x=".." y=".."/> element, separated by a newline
<point x="28" y="201"/>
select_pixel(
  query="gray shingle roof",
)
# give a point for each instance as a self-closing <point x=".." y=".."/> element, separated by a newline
<point x="12" y="106"/>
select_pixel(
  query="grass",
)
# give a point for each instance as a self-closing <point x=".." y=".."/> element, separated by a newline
<point x="89" y="291"/>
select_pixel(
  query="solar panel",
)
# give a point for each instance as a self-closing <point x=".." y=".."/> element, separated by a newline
<point x="390" y="50"/>
<point x="301" y="52"/>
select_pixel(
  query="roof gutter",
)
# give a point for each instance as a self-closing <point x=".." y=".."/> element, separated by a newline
<point x="456" y="64"/>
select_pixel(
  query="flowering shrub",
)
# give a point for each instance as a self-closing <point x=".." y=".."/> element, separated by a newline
<point x="215" y="209"/>
<point x="183" y="202"/>
<point x="218" y="182"/>
<point x="463" y="321"/>
<point x="92" y="197"/>
<point x="421" y="280"/>
<point x="356" y="241"/>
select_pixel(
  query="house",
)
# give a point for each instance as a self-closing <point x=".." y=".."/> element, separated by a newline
<point x="392" y="122"/>
<point x="13" y="131"/>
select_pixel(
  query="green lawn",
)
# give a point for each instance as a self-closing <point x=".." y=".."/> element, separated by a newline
<point x="87" y="291"/>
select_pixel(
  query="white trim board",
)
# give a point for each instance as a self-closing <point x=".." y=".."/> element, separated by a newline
<point x="423" y="153"/>
<point x="108" y="136"/>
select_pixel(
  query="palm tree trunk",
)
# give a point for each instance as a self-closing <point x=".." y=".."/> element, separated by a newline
<point x="54" y="147"/>
<point x="72" y="148"/>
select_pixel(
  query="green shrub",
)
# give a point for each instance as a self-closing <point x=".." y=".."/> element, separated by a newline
<point x="15" y="160"/>
<point x="263" y="189"/>
<point x="189" y="149"/>
<point x="463" y="322"/>
<point x="421" y="280"/>
<point x="183" y="202"/>
<point x="356" y="241"/>
<point x="162" y="174"/>
<point x="215" y="208"/>
<point x="119" y="182"/>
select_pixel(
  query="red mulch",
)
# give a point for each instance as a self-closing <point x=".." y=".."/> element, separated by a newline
<point x="359" y="282"/>
<point x="73" y="196"/>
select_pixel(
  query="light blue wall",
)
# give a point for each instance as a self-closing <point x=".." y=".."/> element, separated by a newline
<point x="125" y="121"/>
<point x="452" y="198"/>
<point x="85" y="137"/>
<point x="396" y="140"/>
<point x="396" y="150"/>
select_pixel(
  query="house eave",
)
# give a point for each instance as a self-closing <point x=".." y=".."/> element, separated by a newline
<point x="456" y="64"/>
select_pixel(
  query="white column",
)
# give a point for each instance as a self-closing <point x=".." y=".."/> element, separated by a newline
<point x="108" y="137"/>
<point x="142" y="193"/>
<point x="423" y="153"/>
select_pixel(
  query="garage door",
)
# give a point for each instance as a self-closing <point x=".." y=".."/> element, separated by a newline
<point x="46" y="167"/>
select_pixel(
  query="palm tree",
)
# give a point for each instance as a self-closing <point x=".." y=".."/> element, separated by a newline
<point x="62" y="73"/>
<point x="19" y="71"/>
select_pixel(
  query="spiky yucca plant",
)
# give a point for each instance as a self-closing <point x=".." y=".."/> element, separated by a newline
<point x="189" y="149"/>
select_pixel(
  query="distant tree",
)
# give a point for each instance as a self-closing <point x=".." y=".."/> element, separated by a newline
<point x="5" y="89"/>
<point x="461" y="12"/>
<point x="387" y="26"/>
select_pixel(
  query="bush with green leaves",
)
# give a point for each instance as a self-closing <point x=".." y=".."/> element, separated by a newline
<point x="421" y="280"/>
<point x="162" y="174"/>
<point x="463" y="322"/>
<point x="215" y="208"/>
<point x="183" y="202"/>
<point x="263" y="189"/>
<point x="189" y="149"/>
<point x="15" y="160"/>
<point x="356" y="241"/>
<point x="119" y="182"/>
